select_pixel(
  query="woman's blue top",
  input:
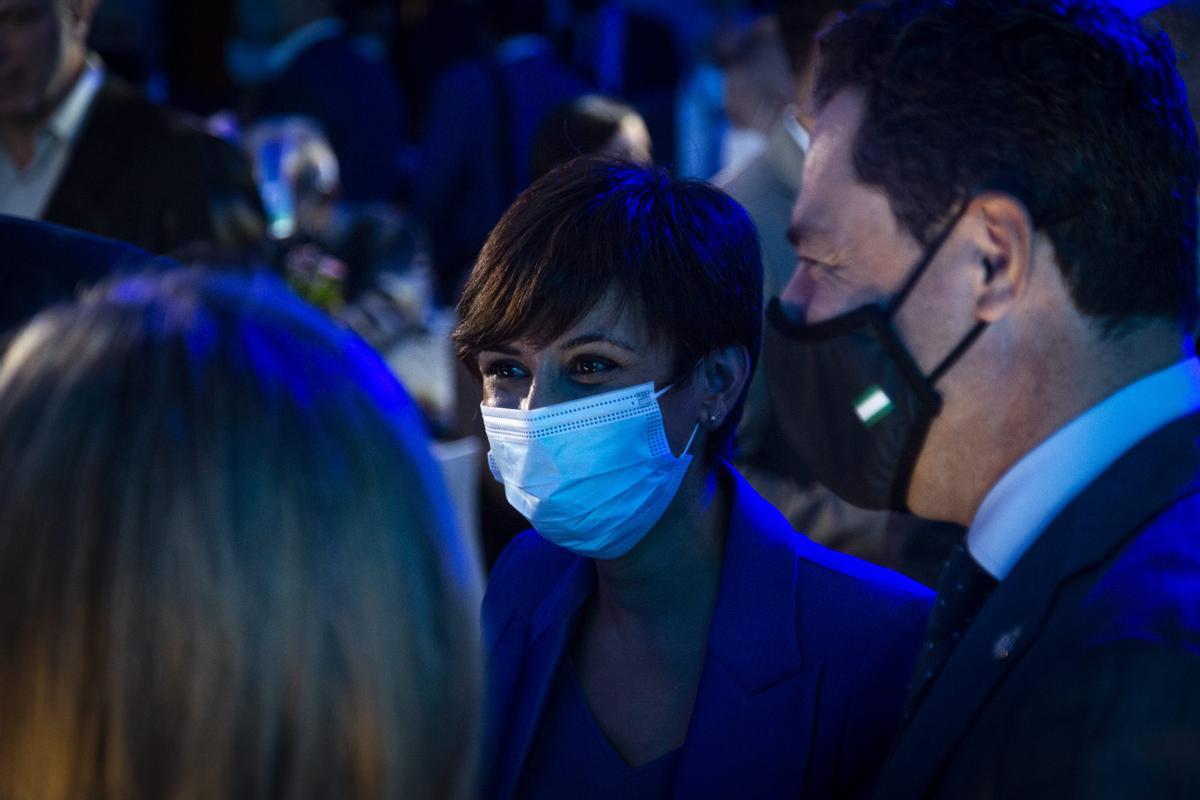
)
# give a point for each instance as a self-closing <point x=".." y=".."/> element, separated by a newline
<point x="571" y="757"/>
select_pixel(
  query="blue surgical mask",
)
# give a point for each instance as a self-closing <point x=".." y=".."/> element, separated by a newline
<point x="592" y="475"/>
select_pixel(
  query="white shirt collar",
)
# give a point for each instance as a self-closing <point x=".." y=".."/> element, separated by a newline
<point x="26" y="191"/>
<point x="791" y="124"/>
<point x="67" y="120"/>
<point x="1039" y="486"/>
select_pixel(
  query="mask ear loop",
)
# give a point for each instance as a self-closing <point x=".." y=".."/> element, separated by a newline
<point x="930" y="253"/>
<point x="957" y="352"/>
<point x="919" y="270"/>
<point x="695" y="428"/>
<point x="688" y="446"/>
<point x="1060" y="215"/>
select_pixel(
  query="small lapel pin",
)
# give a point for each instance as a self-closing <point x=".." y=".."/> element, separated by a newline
<point x="1006" y="643"/>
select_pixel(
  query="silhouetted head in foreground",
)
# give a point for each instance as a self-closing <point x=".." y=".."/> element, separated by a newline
<point x="227" y="564"/>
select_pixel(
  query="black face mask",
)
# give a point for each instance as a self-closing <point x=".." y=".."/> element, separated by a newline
<point x="851" y="400"/>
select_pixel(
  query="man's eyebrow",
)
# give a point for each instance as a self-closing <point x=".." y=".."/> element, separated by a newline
<point x="805" y="231"/>
<point x="592" y="338"/>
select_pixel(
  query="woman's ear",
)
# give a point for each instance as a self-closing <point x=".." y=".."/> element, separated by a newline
<point x="721" y="376"/>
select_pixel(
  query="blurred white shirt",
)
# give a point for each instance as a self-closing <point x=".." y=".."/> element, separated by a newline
<point x="25" y="192"/>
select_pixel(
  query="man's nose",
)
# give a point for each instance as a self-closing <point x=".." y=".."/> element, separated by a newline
<point x="797" y="295"/>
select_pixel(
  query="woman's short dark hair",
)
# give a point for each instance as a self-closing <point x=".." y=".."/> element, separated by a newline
<point x="681" y="252"/>
<point x="1068" y="105"/>
<point x="228" y="567"/>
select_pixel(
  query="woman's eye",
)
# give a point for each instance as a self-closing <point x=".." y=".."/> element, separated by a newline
<point x="592" y="365"/>
<point x="504" y="369"/>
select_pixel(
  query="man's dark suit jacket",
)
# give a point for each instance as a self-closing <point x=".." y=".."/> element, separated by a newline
<point x="1080" y="678"/>
<point x="146" y="175"/>
<point x="45" y="264"/>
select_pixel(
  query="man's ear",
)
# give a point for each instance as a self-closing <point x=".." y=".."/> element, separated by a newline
<point x="1004" y="238"/>
<point x="721" y="375"/>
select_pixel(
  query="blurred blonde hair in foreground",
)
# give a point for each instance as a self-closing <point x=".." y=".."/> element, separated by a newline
<point x="228" y="567"/>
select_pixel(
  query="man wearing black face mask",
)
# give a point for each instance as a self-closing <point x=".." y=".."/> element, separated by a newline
<point x="988" y="325"/>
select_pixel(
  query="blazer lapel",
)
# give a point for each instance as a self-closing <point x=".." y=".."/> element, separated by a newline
<point x="522" y="665"/>
<point x="93" y="164"/>
<point x="1159" y="470"/>
<point x="738" y="744"/>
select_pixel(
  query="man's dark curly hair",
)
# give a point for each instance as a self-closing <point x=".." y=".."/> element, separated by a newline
<point x="1068" y="105"/>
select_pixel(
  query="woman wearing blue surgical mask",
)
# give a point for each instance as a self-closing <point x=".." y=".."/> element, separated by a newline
<point x="661" y="631"/>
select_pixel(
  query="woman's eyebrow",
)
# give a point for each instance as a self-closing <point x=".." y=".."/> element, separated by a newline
<point x="592" y="338"/>
<point x="503" y="349"/>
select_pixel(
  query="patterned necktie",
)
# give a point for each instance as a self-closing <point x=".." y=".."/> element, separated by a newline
<point x="962" y="589"/>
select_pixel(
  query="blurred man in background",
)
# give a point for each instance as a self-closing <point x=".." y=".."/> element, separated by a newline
<point x="83" y="149"/>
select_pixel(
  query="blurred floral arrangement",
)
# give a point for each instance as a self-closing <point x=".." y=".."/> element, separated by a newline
<point x="316" y="276"/>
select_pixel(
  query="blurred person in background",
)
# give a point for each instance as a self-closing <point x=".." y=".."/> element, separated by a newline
<point x="661" y="630"/>
<point x="427" y="39"/>
<point x="297" y="172"/>
<point x="292" y="57"/>
<point x="1180" y="20"/>
<point x="757" y="89"/>
<point x="81" y="148"/>
<point x="128" y="35"/>
<point x="718" y="29"/>
<point x="248" y="582"/>
<point x="366" y="263"/>
<point x="479" y="132"/>
<point x="767" y="185"/>
<point x="700" y="121"/>
<point x="46" y="264"/>
<point x="592" y="125"/>
<point x="628" y="53"/>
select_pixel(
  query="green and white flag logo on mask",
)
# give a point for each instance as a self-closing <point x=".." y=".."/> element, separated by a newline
<point x="872" y="406"/>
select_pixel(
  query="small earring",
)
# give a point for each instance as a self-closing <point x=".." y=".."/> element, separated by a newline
<point x="714" y="419"/>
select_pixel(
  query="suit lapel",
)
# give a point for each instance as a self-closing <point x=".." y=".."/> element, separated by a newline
<point x="522" y="665"/>
<point x="738" y="741"/>
<point x="92" y="164"/>
<point x="1159" y="470"/>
